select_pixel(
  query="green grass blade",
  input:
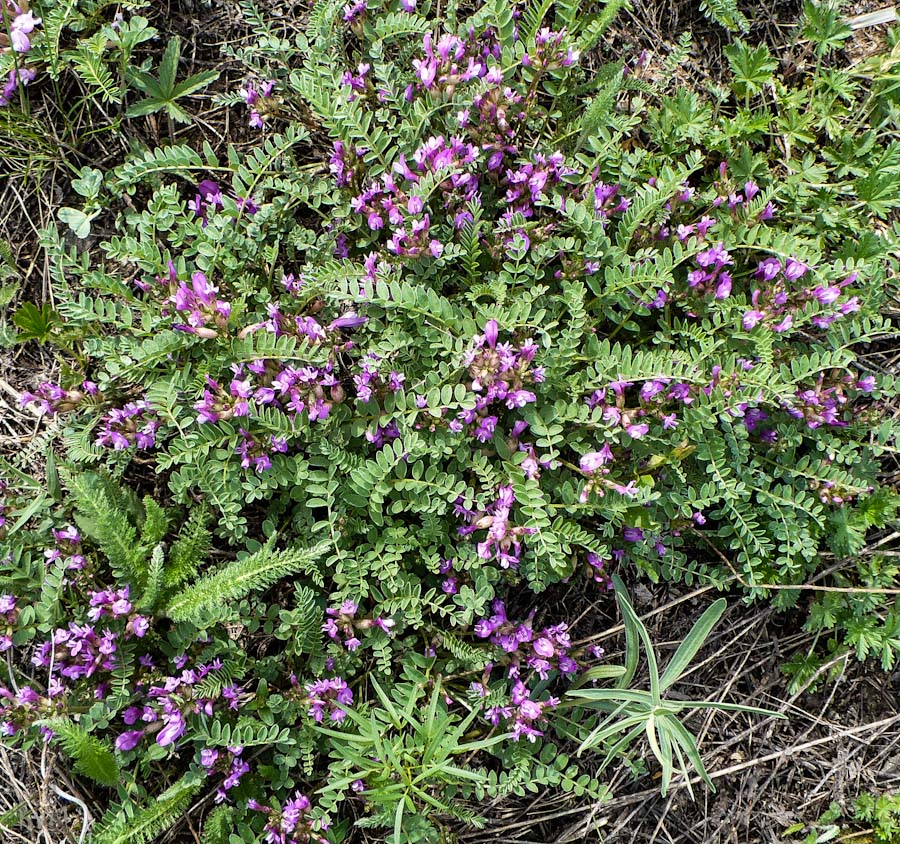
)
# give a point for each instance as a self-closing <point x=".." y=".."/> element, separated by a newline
<point x="630" y="618"/>
<point x="692" y="643"/>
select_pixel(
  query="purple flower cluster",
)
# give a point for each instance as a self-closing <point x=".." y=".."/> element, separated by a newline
<point x="198" y="303"/>
<point x="525" y="650"/>
<point x="550" y="51"/>
<point x="13" y="80"/>
<point x="369" y="382"/>
<point x="354" y="12"/>
<point x="135" y="424"/>
<point x="607" y="198"/>
<point x="450" y="584"/>
<point x="778" y="299"/>
<point x="832" y="493"/>
<point x="21" y="26"/>
<point x="451" y="62"/>
<point x="541" y="652"/>
<point x="525" y="714"/>
<point x="342" y="624"/>
<point x="526" y="184"/>
<point x="493" y="119"/>
<point x="394" y="200"/>
<point x="734" y="199"/>
<point x="711" y="277"/>
<point x="503" y="540"/>
<point x="20" y="709"/>
<point x="325" y="696"/>
<point x="170" y="701"/>
<point x="652" y="400"/>
<point x="8" y="616"/>
<point x="67" y="543"/>
<point x="291" y="824"/>
<point x="595" y="466"/>
<point x="116" y="604"/>
<point x="209" y="197"/>
<point x="267" y="383"/>
<point x="596" y="567"/>
<point x="499" y="373"/>
<point x="253" y="453"/>
<point x="307" y="327"/>
<point x="343" y="164"/>
<point x="51" y="398"/>
<point x="356" y="82"/>
<point x="75" y="653"/>
<point x="216" y="404"/>
<point x="229" y="762"/>
<point x="258" y="101"/>
<point x="823" y="403"/>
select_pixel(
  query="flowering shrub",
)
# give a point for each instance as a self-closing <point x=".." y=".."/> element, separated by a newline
<point x="521" y="323"/>
<point x="158" y="671"/>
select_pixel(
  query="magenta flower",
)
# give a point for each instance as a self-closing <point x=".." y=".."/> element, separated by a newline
<point x="129" y="740"/>
<point x="173" y="729"/>
<point x="794" y="269"/>
<point x="21" y="27"/>
<point x="329" y="695"/>
<point x="592" y="461"/>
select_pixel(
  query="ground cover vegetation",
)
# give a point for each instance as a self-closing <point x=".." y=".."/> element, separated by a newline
<point x="463" y="315"/>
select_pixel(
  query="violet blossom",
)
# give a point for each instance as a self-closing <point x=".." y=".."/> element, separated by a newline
<point x="134" y="424"/>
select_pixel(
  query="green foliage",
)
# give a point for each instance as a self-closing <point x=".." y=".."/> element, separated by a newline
<point x="143" y="825"/>
<point x="402" y="751"/>
<point x="106" y="521"/>
<point x="878" y="814"/>
<point x="636" y="712"/>
<point x="824" y="25"/>
<point x="91" y="757"/>
<point x="726" y="13"/>
<point x="234" y="580"/>
<point x="34" y="323"/>
<point x="163" y="92"/>
<point x="447" y="343"/>
<point x="752" y="67"/>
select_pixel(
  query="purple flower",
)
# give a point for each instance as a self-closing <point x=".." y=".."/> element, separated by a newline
<point x="751" y="319"/>
<point x="519" y="398"/>
<point x="827" y="295"/>
<point x="543" y="647"/>
<point x="135" y="424"/>
<point x="25" y="75"/>
<point x="22" y="26"/>
<point x="329" y="696"/>
<point x="794" y="269"/>
<point x="139" y="626"/>
<point x="173" y="729"/>
<point x="129" y="740"/>
<point x="636" y="431"/>
<point x="592" y="461"/>
<point x="348" y="320"/>
<point x="632" y="534"/>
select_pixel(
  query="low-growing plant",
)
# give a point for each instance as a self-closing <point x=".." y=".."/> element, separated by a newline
<point x="507" y="331"/>
<point x="478" y="316"/>
<point x="638" y="713"/>
<point x="877" y="814"/>
<point x="161" y="677"/>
